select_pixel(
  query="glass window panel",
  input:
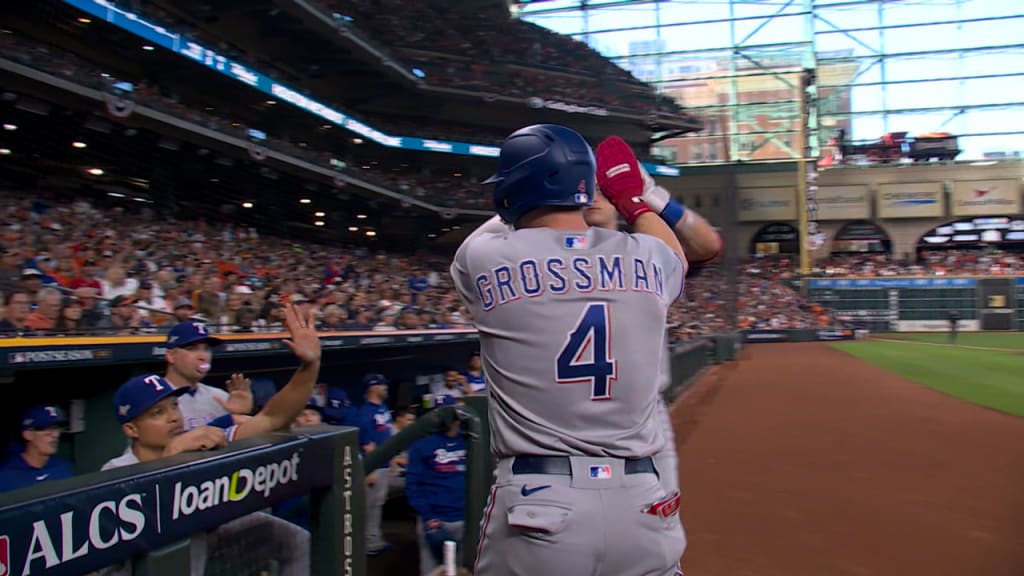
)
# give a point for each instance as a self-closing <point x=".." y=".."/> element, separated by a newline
<point x="952" y="36"/>
<point x="833" y="44"/>
<point x="845" y="17"/>
<point x="987" y="8"/>
<point x="549" y="5"/>
<point x="1010" y="119"/>
<point x="921" y="67"/>
<point x="779" y="29"/>
<point x="917" y="12"/>
<point x="986" y="147"/>
<point x="615" y="18"/>
<point x="683" y="11"/>
<point x="765" y="8"/>
<point x="696" y="36"/>
<point x="567" y="23"/>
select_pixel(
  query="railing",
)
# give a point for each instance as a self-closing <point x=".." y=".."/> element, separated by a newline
<point x="478" y="468"/>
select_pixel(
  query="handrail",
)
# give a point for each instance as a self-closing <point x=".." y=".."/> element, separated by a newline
<point x="477" y="482"/>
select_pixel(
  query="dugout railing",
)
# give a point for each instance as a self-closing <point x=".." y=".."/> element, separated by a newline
<point x="145" y="514"/>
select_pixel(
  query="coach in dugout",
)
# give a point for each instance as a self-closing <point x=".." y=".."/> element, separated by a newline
<point x="148" y="410"/>
<point x="36" y="461"/>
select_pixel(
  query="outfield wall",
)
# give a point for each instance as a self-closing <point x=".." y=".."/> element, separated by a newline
<point x="913" y="304"/>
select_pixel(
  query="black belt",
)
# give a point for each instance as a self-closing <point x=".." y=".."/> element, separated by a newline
<point x="560" y="465"/>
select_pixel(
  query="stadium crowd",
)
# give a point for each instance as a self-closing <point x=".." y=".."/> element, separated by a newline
<point x="947" y="262"/>
<point x="72" y="266"/>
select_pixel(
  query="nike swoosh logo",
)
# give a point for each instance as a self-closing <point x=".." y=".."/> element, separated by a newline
<point x="42" y="477"/>
<point x="527" y="491"/>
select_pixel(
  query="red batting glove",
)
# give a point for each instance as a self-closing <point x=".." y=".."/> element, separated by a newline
<point x="618" y="175"/>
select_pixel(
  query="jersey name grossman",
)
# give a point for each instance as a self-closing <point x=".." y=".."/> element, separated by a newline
<point x="559" y="276"/>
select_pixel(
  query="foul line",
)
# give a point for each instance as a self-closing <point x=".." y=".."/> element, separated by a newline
<point x="947" y="345"/>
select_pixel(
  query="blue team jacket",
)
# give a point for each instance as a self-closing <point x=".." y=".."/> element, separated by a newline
<point x="374" y="423"/>
<point x="16" y="473"/>
<point x="435" y="481"/>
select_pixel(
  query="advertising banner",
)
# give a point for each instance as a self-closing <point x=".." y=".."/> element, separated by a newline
<point x="891" y="282"/>
<point x="986" y="197"/>
<point x="843" y="203"/>
<point x="914" y="200"/>
<point x="88" y="530"/>
<point x="935" y="326"/>
<point x="767" y="204"/>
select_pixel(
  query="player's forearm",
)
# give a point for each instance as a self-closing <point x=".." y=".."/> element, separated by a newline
<point x="651" y="224"/>
<point x="283" y="407"/>
<point x="699" y="239"/>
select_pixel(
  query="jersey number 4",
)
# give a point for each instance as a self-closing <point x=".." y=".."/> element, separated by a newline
<point x="586" y="357"/>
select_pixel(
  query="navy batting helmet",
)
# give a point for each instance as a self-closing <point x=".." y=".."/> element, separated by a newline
<point x="542" y="165"/>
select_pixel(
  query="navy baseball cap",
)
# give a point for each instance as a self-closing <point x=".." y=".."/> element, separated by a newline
<point x="189" y="332"/>
<point x="42" y="417"/>
<point x="137" y="395"/>
<point x="374" y="380"/>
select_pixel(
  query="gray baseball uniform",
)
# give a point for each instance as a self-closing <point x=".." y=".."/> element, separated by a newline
<point x="572" y="334"/>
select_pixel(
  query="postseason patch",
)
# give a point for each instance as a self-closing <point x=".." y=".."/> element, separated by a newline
<point x="575" y="242"/>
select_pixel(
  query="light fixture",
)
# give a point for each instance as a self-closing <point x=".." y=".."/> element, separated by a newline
<point x="10" y="127"/>
<point x="95" y="171"/>
<point x="79" y="145"/>
<point x="246" y="204"/>
<point x="361" y="216"/>
<point x="271" y="102"/>
<point x="5" y="151"/>
<point x="148" y="48"/>
<point x="304" y="200"/>
<point x="431" y="235"/>
<point x="319" y="214"/>
<point x="371" y="233"/>
<point x="318" y="223"/>
<point x="353" y="228"/>
<point x="84" y="20"/>
<point x="357" y="140"/>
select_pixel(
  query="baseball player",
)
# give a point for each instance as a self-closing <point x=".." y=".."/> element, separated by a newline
<point x="572" y="324"/>
<point x="37" y="460"/>
<point x="435" y="483"/>
<point x="374" y="422"/>
<point x="189" y="353"/>
<point x="147" y="406"/>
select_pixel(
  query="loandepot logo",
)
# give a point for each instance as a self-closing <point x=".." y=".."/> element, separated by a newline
<point x="897" y="199"/>
<point x="234" y="487"/>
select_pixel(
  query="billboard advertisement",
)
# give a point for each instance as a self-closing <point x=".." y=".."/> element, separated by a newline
<point x="986" y="197"/>
<point x="913" y="200"/>
<point x="843" y="203"/>
<point x="767" y="204"/>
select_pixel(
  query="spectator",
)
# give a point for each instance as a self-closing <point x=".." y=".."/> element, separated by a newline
<point x="17" y="307"/>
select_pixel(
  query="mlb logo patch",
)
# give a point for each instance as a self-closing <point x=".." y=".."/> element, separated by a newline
<point x="575" y="242"/>
<point x="5" y="556"/>
<point x="581" y="198"/>
<point x="601" y="472"/>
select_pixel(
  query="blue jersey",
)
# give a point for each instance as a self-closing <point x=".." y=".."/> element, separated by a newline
<point x="435" y="481"/>
<point x="476" y="382"/>
<point x="374" y="422"/>
<point x="17" y="473"/>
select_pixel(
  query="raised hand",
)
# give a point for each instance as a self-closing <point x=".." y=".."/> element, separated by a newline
<point x="620" y="178"/>
<point x="240" y="400"/>
<point x="304" y="341"/>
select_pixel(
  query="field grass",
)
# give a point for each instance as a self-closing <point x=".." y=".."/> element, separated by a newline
<point x="1008" y="340"/>
<point x="983" y="368"/>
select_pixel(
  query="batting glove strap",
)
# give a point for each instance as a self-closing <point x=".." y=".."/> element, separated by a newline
<point x="630" y="207"/>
